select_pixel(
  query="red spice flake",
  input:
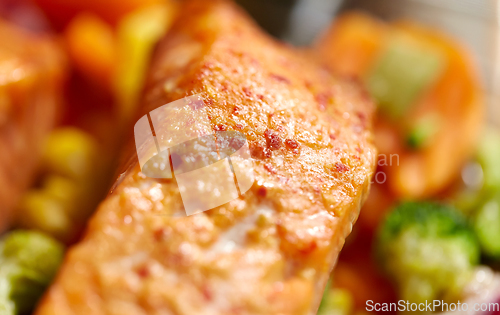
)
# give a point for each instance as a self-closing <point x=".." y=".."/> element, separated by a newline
<point x="341" y="168"/>
<point x="270" y="168"/>
<point x="247" y="91"/>
<point x="236" y="110"/>
<point x="292" y="144"/>
<point x="322" y="99"/>
<point x="356" y="157"/>
<point x="332" y="136"/>
<point x="308" y="84"/>
<point x="159" y="235"/>
<point x="220" y="127"/>
<point x="260" y="97"/>
<point x="207" y="294"/>
<point x="308" y="247"/>
<point x="143" y="272"/>
<point x="362" y="119"/>
<point x="262" y="191"/>
<point x="361" y="116"/>
<point x="258" y="151"/>
<point x="280" y="78"/>
<point x="273" y="140"/>
<point x="358" y="149"/>
<point x="238" y="126"/>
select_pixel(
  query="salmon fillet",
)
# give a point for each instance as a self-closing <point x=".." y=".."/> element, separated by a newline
<point x="271" y="250"/>
<point x="31" y="75"/>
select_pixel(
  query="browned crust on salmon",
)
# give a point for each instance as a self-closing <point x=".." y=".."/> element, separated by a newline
<point x="269" y="251"/>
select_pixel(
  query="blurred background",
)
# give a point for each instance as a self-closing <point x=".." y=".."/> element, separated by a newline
<point x="474" y="22"/>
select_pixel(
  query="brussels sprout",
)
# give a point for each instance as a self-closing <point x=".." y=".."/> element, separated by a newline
<point x="28" y="262"/>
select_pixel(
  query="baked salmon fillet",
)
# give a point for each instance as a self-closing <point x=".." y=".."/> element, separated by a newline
<point x="271" y="250"/>
<point x="31" y="76"/>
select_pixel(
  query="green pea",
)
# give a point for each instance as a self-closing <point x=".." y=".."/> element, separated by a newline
<point x="70" y="152"/>
<point x="41" y="211"/>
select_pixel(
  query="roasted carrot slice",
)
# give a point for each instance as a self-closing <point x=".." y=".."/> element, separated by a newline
<point x="91" y="46"/>
<point x="442" y="121"/>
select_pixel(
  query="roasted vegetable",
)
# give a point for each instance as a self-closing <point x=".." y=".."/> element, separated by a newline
<point x="422" y="131"/>
<point x="32" y="69"/>
<point x="405" y="69"/>
<point x="61" y="12"/>
<point x="70" y="152"/>
<point x="415" y="73"/>
<point x="91" y="45"/>
<point x="336" y="302"/>
<point x="70" y="185"/>
<point x="137" y="33"/>
<point x="487" y="227"/>
<point x="39" y="210"/>
<point x="488" y="156"/>
<point x="428" y="250"/>
<point x="28" y="262"/>
<point x="481" y="176"/>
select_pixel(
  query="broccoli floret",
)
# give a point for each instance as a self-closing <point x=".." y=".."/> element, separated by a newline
<point x="486" y="222"/>
<point x="28" y="262"/>
<point x="428" y="250"/>
<point x="487" y="155"/>
<point x="485" y="174"/>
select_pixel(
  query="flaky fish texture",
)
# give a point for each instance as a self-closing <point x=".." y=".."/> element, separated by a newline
<point x="269" y="251"/>
<point x="31" y="77"/>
